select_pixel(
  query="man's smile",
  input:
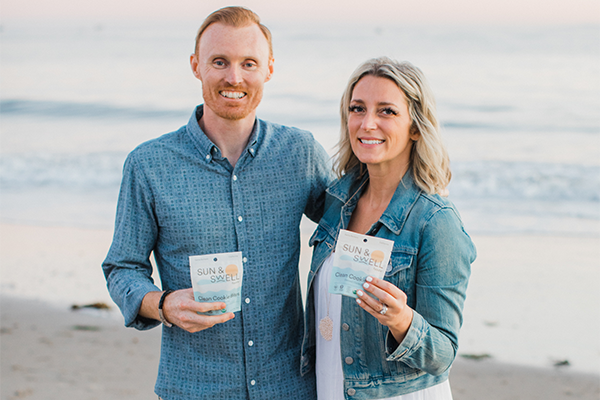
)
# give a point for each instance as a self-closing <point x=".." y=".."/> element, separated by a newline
<point x="231" y="94"/>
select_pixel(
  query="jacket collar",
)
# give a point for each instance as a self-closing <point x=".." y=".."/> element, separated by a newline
<point x="349" y="188"/>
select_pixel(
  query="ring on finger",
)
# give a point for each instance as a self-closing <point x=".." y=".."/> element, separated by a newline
<point x="384" y="309"/>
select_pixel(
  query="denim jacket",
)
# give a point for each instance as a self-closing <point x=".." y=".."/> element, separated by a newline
<point x="430" y="262"/>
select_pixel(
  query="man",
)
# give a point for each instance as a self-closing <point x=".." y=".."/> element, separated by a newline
<point x="225" y="182"/>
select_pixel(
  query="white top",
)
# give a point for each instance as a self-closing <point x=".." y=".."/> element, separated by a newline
<point x="330" y="376"/>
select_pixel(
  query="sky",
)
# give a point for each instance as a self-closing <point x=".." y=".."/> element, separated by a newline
<point x="448" y="12"/>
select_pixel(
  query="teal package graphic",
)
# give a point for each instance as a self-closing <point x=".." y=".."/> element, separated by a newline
<point x="218" y="277"/>
<point x="356" y="257"/>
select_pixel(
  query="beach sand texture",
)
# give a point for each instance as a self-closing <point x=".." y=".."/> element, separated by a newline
<point x="51" y="352"/>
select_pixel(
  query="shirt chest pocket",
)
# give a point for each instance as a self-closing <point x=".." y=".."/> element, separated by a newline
<point x="401" y="268"/>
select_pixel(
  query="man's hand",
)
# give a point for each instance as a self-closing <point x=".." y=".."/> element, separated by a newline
<point x="180" y="308"/>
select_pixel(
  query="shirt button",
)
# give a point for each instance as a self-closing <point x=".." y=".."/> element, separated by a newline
<point x="349" y="360"/>
<point x="235" y="177"/>
<point x="244" y="260"/>
<point x="351" y="392"/>
<point x="247" y="300"/>
<point x="252" y="151"/>
<point x="240" y="218"/>
<point x="253" y="382"/>
<point x="345" y="326"/>
<point x="250" y="343"/>
<point x="208" y="156"/>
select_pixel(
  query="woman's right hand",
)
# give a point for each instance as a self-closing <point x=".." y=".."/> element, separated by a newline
<point x="397" y="315"/>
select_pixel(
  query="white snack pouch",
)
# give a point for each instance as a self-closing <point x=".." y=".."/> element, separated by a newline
<point x="218" y="277"/>
<point x="356" y="257"/>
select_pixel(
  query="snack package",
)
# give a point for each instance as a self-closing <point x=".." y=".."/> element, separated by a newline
<point x="356" y="257"/>
<point x="218" y="277"/>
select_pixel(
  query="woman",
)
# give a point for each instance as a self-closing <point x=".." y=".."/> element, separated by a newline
<point x="392" y="168"/>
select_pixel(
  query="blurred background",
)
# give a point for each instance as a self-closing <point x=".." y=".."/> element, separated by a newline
<point x="518" y="91"/>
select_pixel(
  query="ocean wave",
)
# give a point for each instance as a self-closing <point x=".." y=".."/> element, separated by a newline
<point x="451" y="124"/>
<point x="525" y="181"/>
<point x="301" y="109"/>
<point x="471" y="180"/>
<point x="66" y="109"/>
<point x="93" y="170"/>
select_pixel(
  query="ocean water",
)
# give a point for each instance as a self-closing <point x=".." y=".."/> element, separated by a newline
<point x="519" y="108"/>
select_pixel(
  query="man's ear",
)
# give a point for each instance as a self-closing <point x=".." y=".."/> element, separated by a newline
<point x="270" y="73"/>
<point x="194" y="64"/>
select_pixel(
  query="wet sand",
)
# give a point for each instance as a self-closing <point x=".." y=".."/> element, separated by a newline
<point x="56" y="353"/>
<point x="525" y="296"/>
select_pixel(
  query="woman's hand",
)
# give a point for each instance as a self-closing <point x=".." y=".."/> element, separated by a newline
<point x="397" y="315"/>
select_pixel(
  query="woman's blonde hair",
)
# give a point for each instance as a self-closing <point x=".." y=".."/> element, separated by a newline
<point x="428" y="157"/>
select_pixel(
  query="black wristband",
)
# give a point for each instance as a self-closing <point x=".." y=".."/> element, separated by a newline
<point x="160" y="310"/>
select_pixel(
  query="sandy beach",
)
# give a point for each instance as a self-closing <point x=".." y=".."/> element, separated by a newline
<point x="54" y="353"/>
<point x="510" y="342"/>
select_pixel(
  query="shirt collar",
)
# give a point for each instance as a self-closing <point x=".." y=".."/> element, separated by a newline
<point x="209" y="150"/>
<point x="349" y="187"/>
<point x="252" y="146"/>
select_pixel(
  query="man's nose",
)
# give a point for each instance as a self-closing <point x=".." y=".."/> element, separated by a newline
<point x="234" y="76"/>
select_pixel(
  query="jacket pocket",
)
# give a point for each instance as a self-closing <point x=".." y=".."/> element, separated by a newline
<point x="320" y="235"/>
<point x="401" y="259"/>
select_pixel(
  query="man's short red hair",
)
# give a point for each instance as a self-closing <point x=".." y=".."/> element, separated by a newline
<point x="237" y="17"/>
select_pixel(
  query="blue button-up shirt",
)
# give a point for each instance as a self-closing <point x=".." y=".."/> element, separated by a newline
<point x="180" y="197"/>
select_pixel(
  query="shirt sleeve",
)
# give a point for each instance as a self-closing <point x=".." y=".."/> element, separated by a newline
<point x="320" y="177"/>
<point x="443" y="270"/>
<point x="127" y="267"/>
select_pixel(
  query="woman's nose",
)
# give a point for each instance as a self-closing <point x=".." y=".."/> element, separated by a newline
<point x="369" y="122"/>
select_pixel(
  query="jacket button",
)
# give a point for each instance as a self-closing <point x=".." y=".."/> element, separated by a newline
<point x="345" y="326"/>
<point x="349" y="360"/>
<point x="351" y="392"/>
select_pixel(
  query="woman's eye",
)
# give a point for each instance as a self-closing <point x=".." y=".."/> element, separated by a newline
<point x="355" y="109"/>
<point x="388" y="111"/>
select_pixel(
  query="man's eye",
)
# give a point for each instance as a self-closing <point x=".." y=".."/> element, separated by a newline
<point x="219" y="63"/>
<point x="249" y="65"/>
